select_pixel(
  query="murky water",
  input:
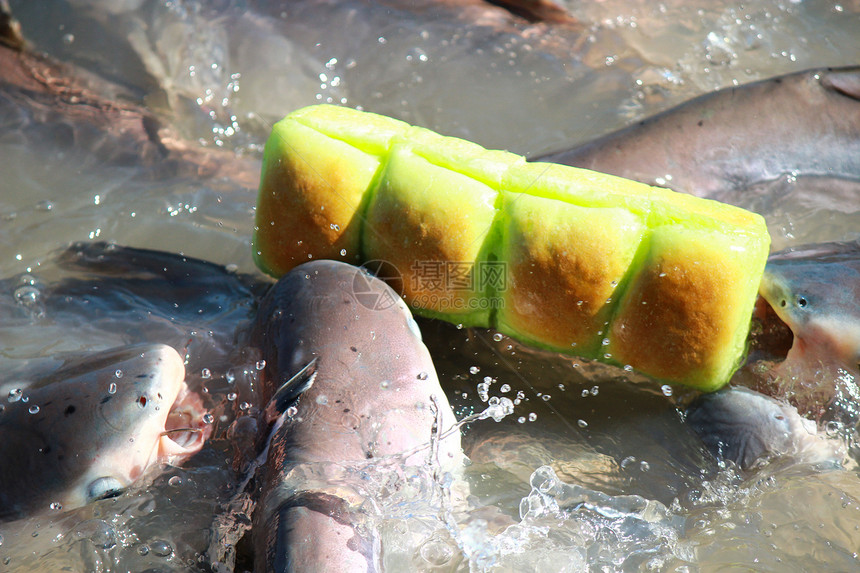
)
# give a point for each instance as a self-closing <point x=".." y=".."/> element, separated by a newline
<point x="590" y="471"/>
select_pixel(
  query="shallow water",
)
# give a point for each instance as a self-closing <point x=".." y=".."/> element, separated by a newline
<point x="638" y="491"/>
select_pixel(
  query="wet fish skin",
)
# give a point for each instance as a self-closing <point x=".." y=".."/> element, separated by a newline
<point x="799" y="125"/>
<point x="371" y="397"/>
<point x="85" y="432"/>
<point x="815" y="290"/>
<point x="744" y="426"/>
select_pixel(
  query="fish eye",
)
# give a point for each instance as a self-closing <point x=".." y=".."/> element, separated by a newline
<point x="801" y="301"/>
<point x="103" y="488"/>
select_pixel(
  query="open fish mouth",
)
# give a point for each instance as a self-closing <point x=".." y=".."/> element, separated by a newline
<point x="771" y="337"/>
<point x="186" y="428"/>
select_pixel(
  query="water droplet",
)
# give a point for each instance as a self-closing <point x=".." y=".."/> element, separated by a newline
<point x="546" y="397"/>
<point x="595" y="390"/>
<point x="384" y="384"/>
<point x="244" y="406"/>
<point x="666" y="389"/>
<point x="628" y="368"/>
<point x="260" y="364"/>
<point x="343" y="252"/>
<point x="582" y="423"/>
<point x="27" y="295"/>
<point x="498" y="337"/>
<point x="644" y="466"/>
<point x="118" y="373"/>
<point x="532" y="416"/>
<point x="206" y="374"/>
<point x="605" y="342"/>
<point x="208" y="418"/>
<point x="423" y="376"/>
<point x="34" y="409"/>
<point x="15" y="395"/>
<point x="230" y="376"/>
<point x="56" y="506"/>
<point x="143" y="549"/>
<point x="161" y="548"/>
<point x="292" y="411"/>
<point x="832" y="428"/>
<point x="474" y="370"/>
<point x="505" y="388"/>
<point x="521" y="420"/>
<point x="174" y="481"/>
<point x="231" y="396"/>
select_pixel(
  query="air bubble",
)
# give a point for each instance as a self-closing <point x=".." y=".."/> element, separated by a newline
<point x="15" y="395"/>
<point x="208" y="418"/>
<point x="666" y="390"/>
<point x="27" y="295"/>
<point x="174" y="481"/>
<point x="161" y="548"/>
<point x="260" y="364"/>
<point x="322" y="400"/>
<point x="206" y="373"/>
<point x="582" y="423"/>
<point x="231" y="396"/>
<point x="112" y="388"/>
<point x="56" y="506"/>
<point x="33" y="409"/>
<point x="474" y="370"/>
<point x="532" y="416"/>
<point x="423" y="376"/>
<point x="498" y="337"/>
<point x="118" y="373"/>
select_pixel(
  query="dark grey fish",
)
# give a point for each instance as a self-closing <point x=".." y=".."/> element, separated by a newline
<point x="94" y="427"/>
<point x="375" y="394"/>
<point x="743" y="426"/>
<point x="799" y="125"/>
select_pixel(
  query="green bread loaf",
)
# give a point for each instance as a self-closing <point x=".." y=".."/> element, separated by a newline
<point x="562" y="258"/>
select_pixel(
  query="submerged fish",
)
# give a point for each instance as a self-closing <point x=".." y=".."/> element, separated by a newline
<point x="744" y="426"/>
<point x="803" y="124"/>
<point x="94" y="427"/>
<point x="375" y="394"/>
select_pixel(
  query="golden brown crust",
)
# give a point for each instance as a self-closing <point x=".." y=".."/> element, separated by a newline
<point x="564" y="263"/>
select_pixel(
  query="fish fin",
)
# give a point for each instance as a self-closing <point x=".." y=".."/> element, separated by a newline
<point x="289" y="391"/>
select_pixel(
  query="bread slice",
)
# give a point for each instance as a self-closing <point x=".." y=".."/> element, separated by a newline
<point x="563" y="258"/>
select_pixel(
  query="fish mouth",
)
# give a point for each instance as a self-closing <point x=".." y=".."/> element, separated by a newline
<point x="772" y="337"/>
<point x="186" y="428"/>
